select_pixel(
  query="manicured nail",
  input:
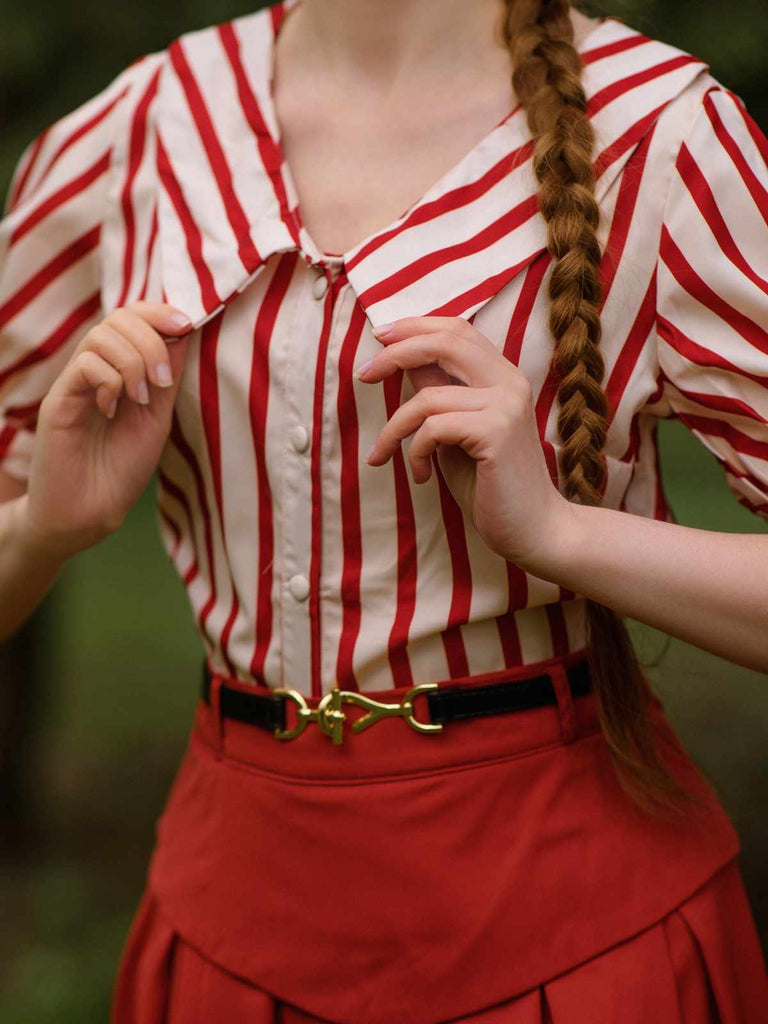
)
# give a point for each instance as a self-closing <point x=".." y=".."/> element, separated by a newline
<point x="382" y="329"/>
<point x="143" y="392"/>
<point x="112" y="408"/>
<point x="180" y="320"/>
<point x="363" y="369"/>
<point x="164" y="376"/>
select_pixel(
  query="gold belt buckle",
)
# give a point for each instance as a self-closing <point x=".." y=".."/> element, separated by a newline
<point x="330" y="717"/>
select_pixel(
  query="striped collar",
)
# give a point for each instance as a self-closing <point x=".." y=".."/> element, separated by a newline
<point x="227" y="202"/>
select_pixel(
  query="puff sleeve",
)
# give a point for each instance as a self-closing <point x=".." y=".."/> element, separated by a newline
<point x="712" y="323"/>
<point x="50" y="258"/>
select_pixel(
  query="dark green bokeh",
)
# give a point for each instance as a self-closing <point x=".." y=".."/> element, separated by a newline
<point x="121" y="656"/>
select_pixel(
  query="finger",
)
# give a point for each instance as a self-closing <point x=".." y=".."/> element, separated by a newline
<point x="147" y="341"/>
<point x="475" y="361"/>
<point x="163" y="317"/>
<point x="89" y="372"/>
<point x="116" y="350"/>
<point x="461" y="428"/>
<point x="409" y="325"/>
<point x="411" y="415"/>
<point x="429" y="376"/>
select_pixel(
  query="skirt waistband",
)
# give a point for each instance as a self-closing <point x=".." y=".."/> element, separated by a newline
<point x="390" y="746"/>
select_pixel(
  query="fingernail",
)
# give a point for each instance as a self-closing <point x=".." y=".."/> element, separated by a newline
<point x="382" y="329"/>
<point x="180" y="320"/>
<point x="112" y="408"/>
<point x="143" y="392"/>
<point x="369" y="453"/>
<point x="164" y="375"/>
<point x="363" y="369"/>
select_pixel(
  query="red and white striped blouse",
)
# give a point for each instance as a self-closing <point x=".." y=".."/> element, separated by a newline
<point x="304" y="566"/>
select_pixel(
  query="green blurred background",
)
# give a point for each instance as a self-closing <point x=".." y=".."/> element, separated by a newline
<point x="93" y="732"/>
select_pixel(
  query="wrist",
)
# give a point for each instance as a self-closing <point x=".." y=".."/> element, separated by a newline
<point x="36" y="544"/>
<point x="555" y="558"/>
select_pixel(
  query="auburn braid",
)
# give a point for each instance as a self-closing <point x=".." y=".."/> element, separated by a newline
<point x="546" y="77"/>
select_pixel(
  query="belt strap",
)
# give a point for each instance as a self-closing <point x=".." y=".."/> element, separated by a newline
<point x="446" y="703"/>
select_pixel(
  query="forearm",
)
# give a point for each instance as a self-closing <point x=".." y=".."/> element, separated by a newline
<point x="705" y="587"/>
<point x="26" y="570"/>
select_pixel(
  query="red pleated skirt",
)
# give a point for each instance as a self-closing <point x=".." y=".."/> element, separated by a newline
<point x="495" y="872"/>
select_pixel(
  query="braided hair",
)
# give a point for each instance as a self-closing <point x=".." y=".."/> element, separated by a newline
<point x="546" y="76"/>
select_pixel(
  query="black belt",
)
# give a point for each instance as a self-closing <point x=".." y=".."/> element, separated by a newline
<point x="445" y="703"/>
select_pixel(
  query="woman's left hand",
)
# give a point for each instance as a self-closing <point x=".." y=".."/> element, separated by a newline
<point x="483" y="430"/>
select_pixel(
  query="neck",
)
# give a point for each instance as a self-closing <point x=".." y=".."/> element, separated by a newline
<point x="386" y="42"/>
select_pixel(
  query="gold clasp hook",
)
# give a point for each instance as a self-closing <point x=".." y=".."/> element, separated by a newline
<point x="330" y="717"/>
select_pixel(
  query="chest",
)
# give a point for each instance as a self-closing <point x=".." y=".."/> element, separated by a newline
<point x="358" y="164"/>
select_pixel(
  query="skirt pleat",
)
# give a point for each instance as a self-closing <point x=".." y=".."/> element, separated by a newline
<point x="701" y="964"/>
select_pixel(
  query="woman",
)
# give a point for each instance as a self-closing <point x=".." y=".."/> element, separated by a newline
<point x="427" y="779"/>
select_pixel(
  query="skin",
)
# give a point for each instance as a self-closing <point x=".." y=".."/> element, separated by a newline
<point x="405" y="59"/>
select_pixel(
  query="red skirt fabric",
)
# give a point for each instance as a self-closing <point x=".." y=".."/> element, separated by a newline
<point x="494" y="872"/>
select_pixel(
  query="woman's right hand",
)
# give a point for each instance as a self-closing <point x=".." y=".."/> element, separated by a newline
<point x="102" y="427"/>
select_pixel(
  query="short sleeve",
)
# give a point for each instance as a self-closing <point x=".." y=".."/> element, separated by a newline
<point x="50" y="276"/>
<point x="712" y="323"/>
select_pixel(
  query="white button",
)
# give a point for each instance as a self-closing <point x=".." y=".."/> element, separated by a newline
<point x="320" y="286"/>
<point x="299" y="587"/>
<point x="300" y="438"/>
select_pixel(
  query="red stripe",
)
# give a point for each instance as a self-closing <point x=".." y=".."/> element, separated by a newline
<point x="705" y="200"/>
<point x="738" y="440"/>
<point x="176" y="492"/>
<point x="611" y="49"/>
<point x="47" y="274"/>
<point x="761" y="510"/>
<point x="635" y="441"/>
<point x="611" y="92"/>
<point x="276" y="13"/>
<point x="135" y="156"/>
<point x="60" y="196"/>
<point x="351" y="525"/>
<point x="623" y="214"/>
<point x="529" y="291"/>
<point x="626" y="141"/>
<point x="723" y="403"/>
<point x="79" y="316"/>
<point x="419" y="268"/>
<point x="688" y="279"/>
<point x="150" y="252"/>
<point x="194" y="239"/>
<point x="756" y="188"/>
<point x="754" y="129"/>
<point x="557" y="629"/>
<point x="7" y="435"/>
<point x="83" y="130"/>
<point x="173" y="527"/>
<point x="485" y="290"/>
<point x="630" y="351"/>
<point x="517" y="585"/>
<point x="209" y="409"/>
<point x="20" y="184"/>
<point x="24" y="415"/>
<point x="407" y="550"/>
<point x="258" y="402"/>
<point x="701" y="356"/>
<point x="190" y="458"/>
<point x="550" y="457"/>
<point x="235" y="214"/>
<point x="461" y="595"/>
<point x="269" y="152"/>
<point x="451" y="201"/>
<point x="317" y="497"/>
<point x="760" y="485"/>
